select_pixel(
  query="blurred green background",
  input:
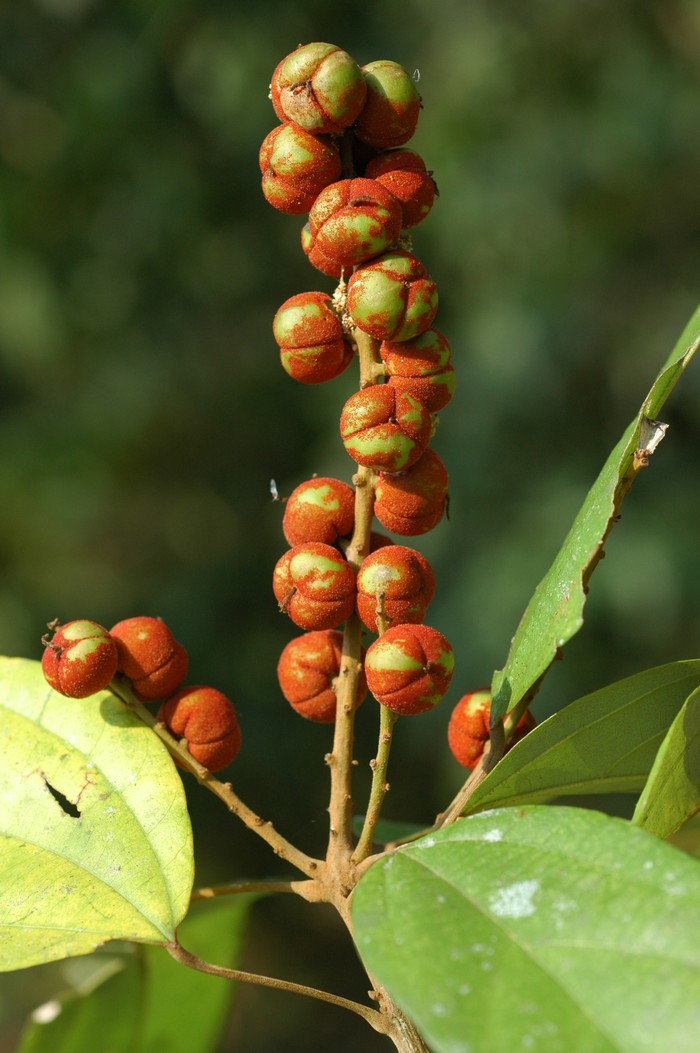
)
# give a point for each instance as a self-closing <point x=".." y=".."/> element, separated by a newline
<point x="143" y="409"/>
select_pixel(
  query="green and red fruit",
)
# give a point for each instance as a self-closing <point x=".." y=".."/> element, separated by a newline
<point x="307" y="671"/>
<point x="320" y="509"/>
<point x="422" y="367"/>
<point x="315" y="257"/>
<point x="354" y="220"/>
<point x="79" y="659"/>
<point x="319" y="87"/>
<point x="207" y="719"/>
<point x="390" y="113"/>
<point x="393" y="297"/>
<point x="394" y="581"/>
<point x="468" y="729"/>
<point x="409" y="668"/>
<point x="315" y="586"/>
<point x="383" y="428"/>
<point x="296" y="166"/>
<point x="150" y="656"/>
<point x="413" y="501"/>
<point x="313" y="346"/>
<point x="403" y="172"/>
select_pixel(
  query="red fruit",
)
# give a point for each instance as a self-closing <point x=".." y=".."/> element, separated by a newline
<point x="403" y="172"/>
<point x="391" y="110"/>
<point x="319" y="87"/>
<point x="413" y="501"/>
<point x="353" y="220"/>
<point x="79" y="659"/>
<point x="307" y="670"/>
<point x="409" y="668"/>
<point x="321" y="509"/>
<point x="295" y="167"/>
<point x="207" y="719"/>
<point x="383" y="428"/>
<point x="150" y="656"/>
<point x="315" y="586"/>
<point x="392" y="297"/>
<point x="313" y="346"/>
<point x="422" y="367"/>
<point x="468" y="729"/>
<point x="397" y="580"/>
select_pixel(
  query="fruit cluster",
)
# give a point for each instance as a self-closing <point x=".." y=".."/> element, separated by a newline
<point x="82" y="657"/>
<point x="339" y="156"/>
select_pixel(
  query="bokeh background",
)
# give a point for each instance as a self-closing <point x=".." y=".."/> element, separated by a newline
<point x="143" y="409"/>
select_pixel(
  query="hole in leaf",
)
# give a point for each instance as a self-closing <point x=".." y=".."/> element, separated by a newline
<point x="67" y="806"/>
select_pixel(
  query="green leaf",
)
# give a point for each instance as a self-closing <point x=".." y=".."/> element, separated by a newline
<point x="95" y="839"/>
<point x="555" y="612"/>
<point x="553" y="929"/>
<point x="605" y="742"/>
<point x="672" y="792"/>
<point x="162" y="1007"/>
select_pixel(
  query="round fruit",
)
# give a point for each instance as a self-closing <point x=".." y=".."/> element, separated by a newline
<point x="150" y="656"/>
<point x="79" y="659"/>
<point x="390" y="113"/>
<point x="319" y="87"/>
<point x="207" y="719"/>
<point x="409" y="668"/>
<point x="353" y="220"/>
<point x="307" y="671"/>
<point x="392" y="298"/>
<point x="384" y="429"/>
<point x="413" y="501"/>
<point x="403" y="172"/>
<point x="315" y="586"/>
<point x="295" y="167"/>
<point x="313" y="347"/>
<point x="422" y="367"/>
<point x="397" y="580"/>
<point x="320" y="509"/>
<point x="468" y="729"/>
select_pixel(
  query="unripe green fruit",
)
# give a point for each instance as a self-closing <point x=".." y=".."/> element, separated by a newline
<point x="320" y="509"/>
<point x="295" y="167"/>
<point x="353" y="220"/>
<point x="422" y="367"/>
<point x="313" y="346"/>
<point x="307" y="670"/>
<point x="403" y="172"/>
<point x="79" y="659"/>
<point x="390" y="113"/>
<point x="413" y="502"/>
<point x="383" y="428"/>
<point x="150" y="656"/>
<point x="207" y="719"/>
<point x="397" y="581"/>
<point x="468" y="729"/>
<point x="315" y="586"/>
<point x="409" y="668"/>
<point x="315" y="257"/>
<point x="392" y="298"/>
<point x="319" y="87"/>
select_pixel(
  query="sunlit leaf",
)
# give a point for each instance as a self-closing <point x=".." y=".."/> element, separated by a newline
<point x="553" y="929"/>
<point x="555" y="612"/>
<point x="605" y="742"/>
<point x="95" y="839"/>
<point x="671" y="795"/>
